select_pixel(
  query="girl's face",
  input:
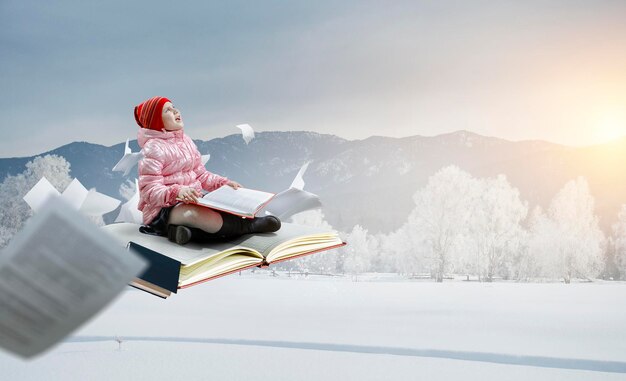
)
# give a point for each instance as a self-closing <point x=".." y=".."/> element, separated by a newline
<point x="172" y="120"/>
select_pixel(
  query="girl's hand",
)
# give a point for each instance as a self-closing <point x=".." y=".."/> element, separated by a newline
<point x="188" y="195"/>
<point x="233" y="184"/>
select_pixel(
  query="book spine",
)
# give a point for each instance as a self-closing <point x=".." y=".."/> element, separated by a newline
<point x="263" y="205"/>
<point x="149" y="290"/>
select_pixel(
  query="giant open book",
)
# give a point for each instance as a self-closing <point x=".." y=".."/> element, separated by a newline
<point x="195" y="263"/>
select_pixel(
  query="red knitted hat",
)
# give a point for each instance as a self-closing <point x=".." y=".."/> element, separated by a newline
<point x="148" y="113"/>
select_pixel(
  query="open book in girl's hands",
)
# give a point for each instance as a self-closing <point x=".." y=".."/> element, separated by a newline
<point x="241" y="202"/>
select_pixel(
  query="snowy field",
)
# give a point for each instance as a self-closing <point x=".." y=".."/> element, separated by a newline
<point x="258" y="327"/>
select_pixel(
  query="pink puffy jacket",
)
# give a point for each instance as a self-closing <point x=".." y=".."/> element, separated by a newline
<point x="170" y="161"/>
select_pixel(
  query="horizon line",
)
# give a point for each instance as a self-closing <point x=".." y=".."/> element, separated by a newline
<point x="350" y="140"/>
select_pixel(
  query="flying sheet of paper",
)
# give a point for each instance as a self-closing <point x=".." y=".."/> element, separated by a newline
<point x="75" y="194"/>
<point x="129" y="211"/>
<point x="90" y="202"/>
<point x="298" y="182"/>
<point x="128" y="161"/>
<point x="289" y="202"/>
<point x="205" y="158"/>
<point x="50" y="285"/>
<point x="247" y="132"/>
<point x="97" y="204"/>
<point x="39" y="194"/>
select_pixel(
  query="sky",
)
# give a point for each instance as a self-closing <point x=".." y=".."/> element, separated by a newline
<point x="549" y="70"/>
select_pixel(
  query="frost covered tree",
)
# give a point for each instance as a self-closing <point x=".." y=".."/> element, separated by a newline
<point x="542" y="242"/>
<point x="15" y="211"/>
<point x="522" y="266"/>
<point x="494" y="228"/>
<point x="610" y="270"/>
<point x="579" y="246"/>
<point x="127" y="189"/>
<point x="400" y="255"/>
<point x="358" y="251"/>
<point x="619" y="242"/>
<point x="5" y="236"/>
<point x="314" y="218"/>
<point x="54" y="167"/>
<point x="326" y="262"/>
<point x="384" y="257"/>
<point x="439" y="221"/>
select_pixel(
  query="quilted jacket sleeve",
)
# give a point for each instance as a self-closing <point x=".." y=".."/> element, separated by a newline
<point x="210" y="181"/>
<point x="151" y="185"/>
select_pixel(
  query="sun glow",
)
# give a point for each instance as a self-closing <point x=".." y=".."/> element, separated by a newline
<point x="610" y="126"/>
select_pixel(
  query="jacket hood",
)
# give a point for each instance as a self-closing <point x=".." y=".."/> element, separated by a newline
<point x="144" y="134"/>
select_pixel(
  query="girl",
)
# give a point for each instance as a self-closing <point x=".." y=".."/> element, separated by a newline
<point x="171" y="176"/>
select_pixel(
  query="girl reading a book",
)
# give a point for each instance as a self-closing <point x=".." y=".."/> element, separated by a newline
<point x="171" y="177"/>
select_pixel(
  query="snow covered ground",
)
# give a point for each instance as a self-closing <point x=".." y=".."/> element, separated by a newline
<point x="258" y="327"/>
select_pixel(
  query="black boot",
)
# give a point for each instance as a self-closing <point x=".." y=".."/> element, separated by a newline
<point x="234" y="226"/>
<point x="267" y="224"/>
<point x="178" y="233"/>
<point x="200" y="236"/>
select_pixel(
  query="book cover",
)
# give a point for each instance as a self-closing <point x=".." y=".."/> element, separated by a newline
<point x="162" y="271"/>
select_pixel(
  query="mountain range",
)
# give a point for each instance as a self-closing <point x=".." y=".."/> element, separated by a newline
<point x="371" y="181"/>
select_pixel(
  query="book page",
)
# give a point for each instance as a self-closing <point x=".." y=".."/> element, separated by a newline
<point x="242" y="201"/>
<point x="97" y="204"/>
<point x="298" y="248"/>
<point x="56" y="274"/>
<point x="266" y="242"/>
<point x="37" y="197"/>
<point x="289" y="202"/>
<point x="127" y="162"/>
<point x="75" y="194"/>
<point x="226" y="262"/>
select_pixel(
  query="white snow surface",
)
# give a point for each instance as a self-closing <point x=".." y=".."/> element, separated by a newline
<point x="258" y="327"/>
